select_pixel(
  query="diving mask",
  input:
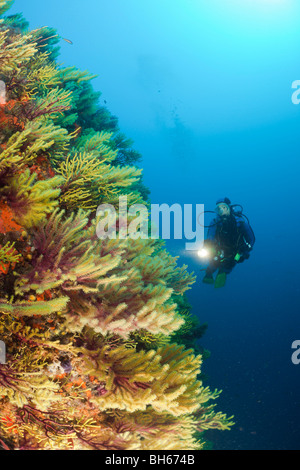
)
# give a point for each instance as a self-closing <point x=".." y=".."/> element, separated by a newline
<point x="222" y="209"/>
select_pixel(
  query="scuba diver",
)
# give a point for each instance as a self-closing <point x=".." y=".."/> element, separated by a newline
<point x="230" y="240"/>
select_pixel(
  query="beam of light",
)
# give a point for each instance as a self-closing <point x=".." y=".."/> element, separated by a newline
<point x="203" y="253"/>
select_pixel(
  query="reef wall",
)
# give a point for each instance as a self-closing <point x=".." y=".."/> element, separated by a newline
<point x="91" y="327"/>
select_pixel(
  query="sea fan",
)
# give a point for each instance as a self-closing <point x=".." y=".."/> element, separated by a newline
<point x="87" y="322"/>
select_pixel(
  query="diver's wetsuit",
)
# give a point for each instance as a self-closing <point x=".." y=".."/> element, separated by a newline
<point x="232" y="235"/>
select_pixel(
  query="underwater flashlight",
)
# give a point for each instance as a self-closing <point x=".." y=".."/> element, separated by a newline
<point x="203" y="253"/>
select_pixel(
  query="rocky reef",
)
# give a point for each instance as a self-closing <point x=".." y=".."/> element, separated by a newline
<point x="91" y="326"/>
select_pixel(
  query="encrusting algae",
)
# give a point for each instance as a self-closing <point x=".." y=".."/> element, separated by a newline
<point x="88" y="324"/>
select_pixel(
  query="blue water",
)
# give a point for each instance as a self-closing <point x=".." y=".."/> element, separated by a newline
<point x="204" y="90"/>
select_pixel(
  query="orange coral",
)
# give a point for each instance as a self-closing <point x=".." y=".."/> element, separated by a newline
<point x="42" y="168"/>
<point x="5" y="113"/>
<point x="7" y="222"/>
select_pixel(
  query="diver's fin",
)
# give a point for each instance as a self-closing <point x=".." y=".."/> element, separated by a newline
<point x="208" y="279"/>
<point x="220" y="280"/>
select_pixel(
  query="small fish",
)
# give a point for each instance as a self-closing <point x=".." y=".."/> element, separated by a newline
<point x="68" y="40"/>
<point x="2" y="92"/>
